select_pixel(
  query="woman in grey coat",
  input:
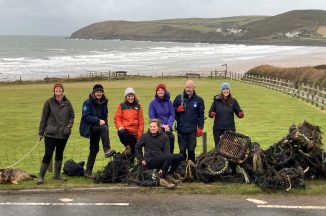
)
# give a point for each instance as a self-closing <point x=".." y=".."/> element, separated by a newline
<point x="55" y="126"/>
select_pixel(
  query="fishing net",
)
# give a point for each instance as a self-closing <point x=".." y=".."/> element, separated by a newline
<point x="115" y="171"/>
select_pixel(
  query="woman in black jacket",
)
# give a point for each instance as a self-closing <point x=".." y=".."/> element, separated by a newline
<point x="94" y="125"/>
<point x="223" y="108"/>
<point x="55" y="126"/>
<point x="157" y="154"/>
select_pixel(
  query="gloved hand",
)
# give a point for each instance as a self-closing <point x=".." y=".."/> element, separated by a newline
<point x="180" y="108"/>
<point x="199" y="132"/>
<point x="212" y="114"/>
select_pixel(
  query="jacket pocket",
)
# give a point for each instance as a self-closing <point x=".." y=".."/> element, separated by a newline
<point x="66" y="131"/>
<point x="51" y="130"/>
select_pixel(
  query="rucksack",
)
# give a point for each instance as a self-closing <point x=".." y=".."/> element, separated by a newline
<point x="72" y="168"/>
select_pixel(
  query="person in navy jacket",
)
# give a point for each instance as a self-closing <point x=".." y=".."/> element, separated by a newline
<point x="189" y="109"/>
<point x="223" y="108"/>
<point x="94" y="125"/>
<point x="161" y="108"/>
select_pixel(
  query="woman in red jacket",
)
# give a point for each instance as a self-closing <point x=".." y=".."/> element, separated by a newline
<point x="129" y="120"/>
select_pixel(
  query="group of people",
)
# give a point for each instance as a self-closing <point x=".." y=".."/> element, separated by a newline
<point x="154" y="149"/>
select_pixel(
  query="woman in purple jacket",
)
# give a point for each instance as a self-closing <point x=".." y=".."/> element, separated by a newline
<point x="162" y="108"/>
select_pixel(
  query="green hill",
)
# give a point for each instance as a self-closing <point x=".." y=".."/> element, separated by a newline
<point x="299" y="26"/>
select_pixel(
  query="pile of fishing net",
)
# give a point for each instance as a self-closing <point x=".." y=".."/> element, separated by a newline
<point x="283" y="165"/>
<point x="297" y="156"/>
<point x="122" y="169"/>
<point x="144" y="177"/>
<point x="116" y="171"/>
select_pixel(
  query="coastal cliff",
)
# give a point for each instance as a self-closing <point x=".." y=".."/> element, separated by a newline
<point x="298" y="27"/>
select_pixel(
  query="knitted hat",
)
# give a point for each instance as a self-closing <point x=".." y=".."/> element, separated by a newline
<point x="162" y="86"/>
<point x="225" y="86"/>
<point x="58" y="85"/>
<point x="98" y="87"/>
<point x="129" y="90"/>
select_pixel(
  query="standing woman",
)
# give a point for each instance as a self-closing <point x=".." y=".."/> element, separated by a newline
<point x="129" y="120"/>
<point x="55" y="126"/>
<point x="223" y="108"/>
<point x="94" y="125"/>
<point x="161" y="108"/>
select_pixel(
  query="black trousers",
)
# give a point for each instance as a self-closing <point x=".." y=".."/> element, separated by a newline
<point x="97" y="133"/>
<point x="165" y="161"/>
<point x="187" y="141"/>
<point x="52" y="144"/>
<point x="171" y="140"/>
<point x="127" y="139"/>
<point x="217" y="133"/>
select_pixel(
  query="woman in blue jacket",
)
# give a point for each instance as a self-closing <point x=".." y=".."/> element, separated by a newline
<point x="161" y="108"/>
<point x="223" y="108"/>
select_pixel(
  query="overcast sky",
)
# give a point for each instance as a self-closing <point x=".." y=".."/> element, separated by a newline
<point x="63" y="17"/>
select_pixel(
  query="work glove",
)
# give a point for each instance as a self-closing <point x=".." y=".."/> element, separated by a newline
<point x="199" y="132"/>
<point x="180" y="108"/>
<point x="212" y="114"/>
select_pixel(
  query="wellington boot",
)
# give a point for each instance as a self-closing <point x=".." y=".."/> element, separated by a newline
<point x="166" y="184"/>
<point x="43" y="169"/>
<point x="57" y="170"/>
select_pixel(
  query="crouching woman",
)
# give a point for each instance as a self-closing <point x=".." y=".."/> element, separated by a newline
<point x="157" y="154"/>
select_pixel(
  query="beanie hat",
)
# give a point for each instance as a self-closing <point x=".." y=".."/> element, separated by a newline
<point x="225" y="86"/>
<point x="162" y="86"/>
<point x="98" y="87"/>
<point x="129" y="90"/>
<point x="58" y="85"/>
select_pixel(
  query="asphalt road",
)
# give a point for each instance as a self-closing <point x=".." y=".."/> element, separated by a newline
<point x="170" y="203"/>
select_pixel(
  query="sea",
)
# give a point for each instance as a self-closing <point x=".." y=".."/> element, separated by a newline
<point x="38" y="57"/>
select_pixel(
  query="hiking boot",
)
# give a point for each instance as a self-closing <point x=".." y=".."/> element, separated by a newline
<point x="166" y="184"/>
<point x="173" y="180"/>
<point x="127" y="151"/>
<point x="89" y="175"/>
<point x="109" y="153"/>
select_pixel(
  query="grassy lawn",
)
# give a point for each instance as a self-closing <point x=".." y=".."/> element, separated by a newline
<point x="268" y="115"/>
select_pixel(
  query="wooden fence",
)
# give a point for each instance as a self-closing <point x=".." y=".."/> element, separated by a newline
<point x="308" y="93"/>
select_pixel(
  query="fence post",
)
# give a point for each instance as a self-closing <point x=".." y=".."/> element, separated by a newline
<point x="205" y="142"/>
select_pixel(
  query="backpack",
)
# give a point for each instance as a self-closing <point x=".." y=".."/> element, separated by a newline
<point x="72" y="168"/>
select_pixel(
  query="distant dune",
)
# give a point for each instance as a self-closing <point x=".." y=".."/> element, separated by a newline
<point x="298" y="27"/>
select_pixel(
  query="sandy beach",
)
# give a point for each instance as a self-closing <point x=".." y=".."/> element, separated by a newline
<point x="295" y="60"/>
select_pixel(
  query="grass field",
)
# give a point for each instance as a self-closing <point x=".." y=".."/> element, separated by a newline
<point x="268" y="115"/>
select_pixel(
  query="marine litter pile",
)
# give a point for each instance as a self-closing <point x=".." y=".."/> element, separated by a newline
<point x="284" y="165"/>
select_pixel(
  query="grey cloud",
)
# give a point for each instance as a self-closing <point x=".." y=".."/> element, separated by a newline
<point x="62" y="17"/>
